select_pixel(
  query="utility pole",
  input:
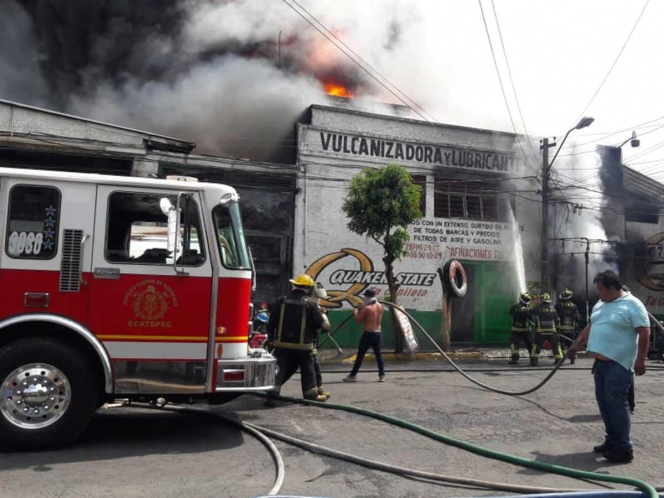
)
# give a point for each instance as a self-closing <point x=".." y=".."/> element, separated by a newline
<point x="546" y="169"/>
<point x="544" y="238"/>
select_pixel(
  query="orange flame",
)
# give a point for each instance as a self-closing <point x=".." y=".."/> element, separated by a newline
<point x="337" y="90"/>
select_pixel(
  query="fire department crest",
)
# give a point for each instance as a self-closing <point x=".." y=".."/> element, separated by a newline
<point x="150" y="301"/>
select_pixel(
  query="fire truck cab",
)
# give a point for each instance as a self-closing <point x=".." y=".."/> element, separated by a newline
<point x="118" y="287"/>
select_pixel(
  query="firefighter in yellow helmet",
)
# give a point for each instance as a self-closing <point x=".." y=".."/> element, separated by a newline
<point x="520" y="327"/>
<point x="295" y="322"/>
<point x="568" y="314"/>
<point x="546" y="322"/>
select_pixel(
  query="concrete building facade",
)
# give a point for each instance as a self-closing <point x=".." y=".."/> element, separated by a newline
<point x="480" y="199"/>
<point x="468" y="177"/>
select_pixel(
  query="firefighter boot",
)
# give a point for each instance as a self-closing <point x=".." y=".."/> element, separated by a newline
<point x="312" y="395"/>
<point x="323" y="392"/>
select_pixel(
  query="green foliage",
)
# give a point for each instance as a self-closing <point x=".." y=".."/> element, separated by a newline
<point x="381" y="204"/>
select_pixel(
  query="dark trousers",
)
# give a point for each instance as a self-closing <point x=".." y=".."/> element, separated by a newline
<point x="612" y="386"/>
<point x="517" y="339"/>
<point x="289" y="360"/>
<point x="570" y="336"/>
<point x="554" y="341"/>
<point x="369" y="340"/>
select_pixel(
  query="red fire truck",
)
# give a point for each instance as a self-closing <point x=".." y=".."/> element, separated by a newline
<point x="119" y="288"/>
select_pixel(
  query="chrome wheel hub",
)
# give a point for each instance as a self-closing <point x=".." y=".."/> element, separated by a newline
<point x="34" y="396"/>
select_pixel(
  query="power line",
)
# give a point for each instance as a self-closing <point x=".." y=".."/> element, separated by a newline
<point x="332" y="41"/>
<point x="511" y="78"/>
<point x="365" y="62"/>
<point x="495" y="63"/>
<point x="615" y="61"/>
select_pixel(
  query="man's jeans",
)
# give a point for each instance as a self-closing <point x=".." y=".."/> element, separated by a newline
<point x="612" y="385"/>
<point x="369" y="339"/>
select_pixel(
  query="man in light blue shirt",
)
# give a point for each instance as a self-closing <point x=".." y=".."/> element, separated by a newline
<point x="619" y="332"/>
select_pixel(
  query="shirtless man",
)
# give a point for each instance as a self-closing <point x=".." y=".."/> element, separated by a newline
<point x="370" y="316"/>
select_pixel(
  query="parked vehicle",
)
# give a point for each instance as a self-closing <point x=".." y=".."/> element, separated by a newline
<point x="116" y="287"/>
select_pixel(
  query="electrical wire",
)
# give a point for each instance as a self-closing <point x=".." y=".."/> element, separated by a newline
<point x="375" y="78"/>
<point x="511" y="78"/>
<point x="500" y="80"/>
<point x="433" y="118"/>
<point x="615" y="61"/>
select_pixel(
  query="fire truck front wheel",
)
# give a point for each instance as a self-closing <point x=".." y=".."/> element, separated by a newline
<point x="48" y="394"/>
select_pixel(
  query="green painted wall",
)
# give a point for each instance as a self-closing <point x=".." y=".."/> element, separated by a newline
<point x="348" y="336"/>
<point x="494" y="291"/>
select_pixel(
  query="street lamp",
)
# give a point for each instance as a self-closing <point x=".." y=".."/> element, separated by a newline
<point x="634" y="142"/>
<point x="546" y="168"/>
<point x="585" y="121"/>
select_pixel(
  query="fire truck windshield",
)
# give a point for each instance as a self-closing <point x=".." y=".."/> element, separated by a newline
<point x="230" y="236"/>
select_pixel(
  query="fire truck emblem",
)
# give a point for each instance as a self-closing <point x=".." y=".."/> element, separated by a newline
<point x="150" y="305"/>
<point x="150" y="300"/>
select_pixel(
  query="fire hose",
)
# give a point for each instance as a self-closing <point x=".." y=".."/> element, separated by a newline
<point x="650" y="490"/>
<point x="556" y="469"/>
<point x="263" y="433"/>
<point x="575" y="473"/>
<point x="454" y="365"/>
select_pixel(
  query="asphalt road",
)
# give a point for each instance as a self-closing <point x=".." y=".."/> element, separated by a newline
<point x="132" y="452"/>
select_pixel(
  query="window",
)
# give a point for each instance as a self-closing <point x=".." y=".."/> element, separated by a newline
<point x="138" y="230"/>
<point x="230" y="237"/>
<point x="642" y="212"/>
<point x="421" y="181"/>
<point x="34" y="220"/>
<point x="469" y="200"/>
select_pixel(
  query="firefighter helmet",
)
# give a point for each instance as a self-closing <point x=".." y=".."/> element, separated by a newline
<point x="302" y="280"/>
<point x="524" y="298"/>
<point x="545" y="298"/>
<point x="566" y="294"/>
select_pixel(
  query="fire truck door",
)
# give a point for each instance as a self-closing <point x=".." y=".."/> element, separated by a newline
<point x="153" y="320"/>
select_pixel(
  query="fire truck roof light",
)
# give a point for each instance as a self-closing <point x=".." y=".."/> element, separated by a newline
<point x="182" y="178"/>
<point x="229" y="198"/>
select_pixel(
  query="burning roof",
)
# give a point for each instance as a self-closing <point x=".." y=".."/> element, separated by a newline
<point x="231" y="75"/>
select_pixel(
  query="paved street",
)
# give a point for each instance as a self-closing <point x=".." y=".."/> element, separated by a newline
<point x="136" y="452"/>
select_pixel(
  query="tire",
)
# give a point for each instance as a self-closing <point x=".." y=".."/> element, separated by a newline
<point x="38" y="419"/>
<point x="454" y="278"/>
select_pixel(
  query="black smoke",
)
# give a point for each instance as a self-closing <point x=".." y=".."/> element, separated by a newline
<point x="231" y="75"/>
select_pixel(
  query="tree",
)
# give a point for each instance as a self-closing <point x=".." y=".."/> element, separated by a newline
<point x="381" y="204"/>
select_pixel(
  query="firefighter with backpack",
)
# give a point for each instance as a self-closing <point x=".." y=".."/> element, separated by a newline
<point x="521" y="323"/>
<point x="293" y="328"/>
<point x="546" y="324"/>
